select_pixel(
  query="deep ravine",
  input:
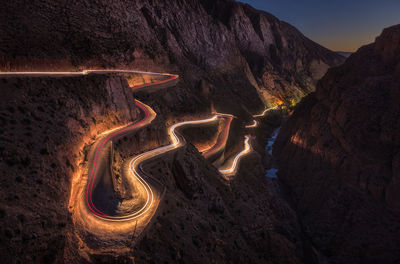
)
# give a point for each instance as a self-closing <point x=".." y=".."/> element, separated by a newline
<point x="271" y="170"/>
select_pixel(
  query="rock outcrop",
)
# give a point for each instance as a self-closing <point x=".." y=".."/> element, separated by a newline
<point x="339" y="154"/>
<point x="247" y="57"/>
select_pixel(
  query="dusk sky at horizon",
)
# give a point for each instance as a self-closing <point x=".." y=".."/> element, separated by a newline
<point x="338" y="24"/>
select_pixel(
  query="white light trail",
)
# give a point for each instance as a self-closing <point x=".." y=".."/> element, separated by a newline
<point x="234" y="165"/>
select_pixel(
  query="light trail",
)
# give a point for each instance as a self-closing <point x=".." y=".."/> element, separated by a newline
<point x="265" y="111"/>
<point x="170" y="78"/>
<point x="135" y="167"/>
<point x="221" y="142"/>
<point x="149" y="116"/>
<point x="135" y="164"/>
<point x="255" y="124"/>
<point x="234" y="166"/>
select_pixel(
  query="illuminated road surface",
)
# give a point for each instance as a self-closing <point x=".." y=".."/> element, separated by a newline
<point x="169" y="77"/>
<point x="100" y="146"/>
<point x="265" y="111"/>
<point x="230" y="167"/>
<point x="135" y="168"/>
<point x="222" y="139"/>
<point x="149" y="116"/>
<point x="233" y="167"/>
<point x="254" y="124"/>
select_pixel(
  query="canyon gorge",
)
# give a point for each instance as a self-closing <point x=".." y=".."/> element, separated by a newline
<point x="339" y="156"/>
<point x="136" y="132"/>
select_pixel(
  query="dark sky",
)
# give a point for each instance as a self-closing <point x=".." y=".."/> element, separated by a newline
<point x="339" y="25"/>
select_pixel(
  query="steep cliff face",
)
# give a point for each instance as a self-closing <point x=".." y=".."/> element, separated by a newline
<point x="340" y="155"/>
<point x="203" y="218"/>
<point x="47" y="124"/>
<point x="245" y="56"/>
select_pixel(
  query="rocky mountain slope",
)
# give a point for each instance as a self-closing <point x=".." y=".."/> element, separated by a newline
<point x="230" y="57"/>
<point x="48" y="126"/>
<point x="339" y="154"/>
<point x="242" y="57"/>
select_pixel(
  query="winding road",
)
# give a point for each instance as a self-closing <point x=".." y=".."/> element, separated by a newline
<point x="170" y="80"/>
<point x="254" y="124"/>
<point x="232" y="169"/>
<point x="219" y="146"/>
<point x="136" y="178"/>
<point x="148" y="117"/>
<point x="136" y="171"/>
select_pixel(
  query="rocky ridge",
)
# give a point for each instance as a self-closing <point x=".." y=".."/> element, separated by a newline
<point x="243" y="57"/>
